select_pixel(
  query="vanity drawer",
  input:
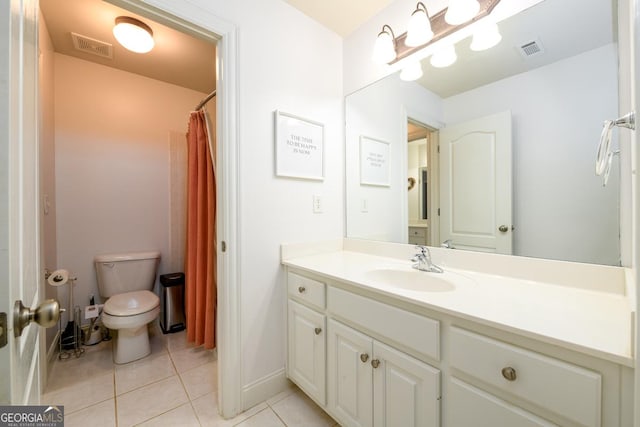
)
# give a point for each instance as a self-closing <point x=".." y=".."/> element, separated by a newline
<point x="417" y="232"/>
<point x="411" y="330"/>
<point x="308" y="290"/>
<point x="567" y="390"/>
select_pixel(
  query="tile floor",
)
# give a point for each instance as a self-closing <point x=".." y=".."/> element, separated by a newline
<point x="175" y="386"/>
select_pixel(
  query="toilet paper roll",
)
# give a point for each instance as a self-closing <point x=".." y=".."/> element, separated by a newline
<point x="58" y="278"/>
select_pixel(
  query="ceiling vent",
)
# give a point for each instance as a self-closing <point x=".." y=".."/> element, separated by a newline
<point x="92" y="46"/>
<point x="531" y="48"/>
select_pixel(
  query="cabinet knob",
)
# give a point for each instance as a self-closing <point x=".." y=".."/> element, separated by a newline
<point x="364" y="357"/>
<point x="503" y="228"/>
<point x="318" y="331"/>
<point x="302" y="289"/>
<point x="375" y="363"/>
<point x="509" y="373"/>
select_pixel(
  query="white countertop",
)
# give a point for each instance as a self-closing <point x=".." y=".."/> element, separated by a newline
<point x="589" y="321"/>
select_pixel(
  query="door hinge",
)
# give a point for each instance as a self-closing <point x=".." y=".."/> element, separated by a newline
<point x="438" y="149"/>
<point x="438" y="211"/>
<point x="3" y="329"/>
<point x="223" y="246"/>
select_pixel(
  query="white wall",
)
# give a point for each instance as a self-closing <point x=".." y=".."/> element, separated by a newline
<point x="557" y="114"/>
<point x="112" y="165"/>
<point x="380" y="112"/>
<point x="47" y="159"/>
<point x="289" y="62"/>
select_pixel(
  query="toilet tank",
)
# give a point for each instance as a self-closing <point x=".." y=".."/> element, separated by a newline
<point x="126" y="272"/>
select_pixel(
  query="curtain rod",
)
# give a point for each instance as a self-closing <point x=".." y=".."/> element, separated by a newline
<point x="205" y="100"/>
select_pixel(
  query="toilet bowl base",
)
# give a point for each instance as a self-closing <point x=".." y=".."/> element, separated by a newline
<point x="131" y="344"/>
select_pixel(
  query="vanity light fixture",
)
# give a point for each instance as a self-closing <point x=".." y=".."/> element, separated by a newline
<point x="411" y="72"/>
<point x="419" y="29"/>
<point x="486" y="37"/>
<point x="461" y="11"/>
<point x="424" y="29"/>
<point x="444" y="57"/>
<point x="133" y="34"/>
<point x="384" y="51"/>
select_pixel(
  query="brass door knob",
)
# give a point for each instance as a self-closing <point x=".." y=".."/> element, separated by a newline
<point x="364" y="357"/>
<point x="509" y="373"/>
<point x="46" y="314"/>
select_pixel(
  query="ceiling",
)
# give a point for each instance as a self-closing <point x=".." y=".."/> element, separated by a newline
<point x="177" y="58"/>
<point x="340" y="16"/>
<point x="563" y="28"/>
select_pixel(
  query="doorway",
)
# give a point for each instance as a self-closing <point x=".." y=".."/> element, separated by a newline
<point x="228" y="344"/>
<point x="422" y="176"/>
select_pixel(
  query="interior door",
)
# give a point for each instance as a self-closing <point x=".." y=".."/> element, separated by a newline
<point x="475" y="184"/>
<point x="19" y="205"/>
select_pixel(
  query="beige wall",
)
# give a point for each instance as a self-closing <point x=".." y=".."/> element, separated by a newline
<point x="112" y="165"/>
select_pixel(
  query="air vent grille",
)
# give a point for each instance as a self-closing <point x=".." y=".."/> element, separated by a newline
<point x="92" y="46"/>
<point x="531" y="48"/>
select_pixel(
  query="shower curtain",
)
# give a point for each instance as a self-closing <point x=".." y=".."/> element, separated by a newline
<point x="200" y="257"/>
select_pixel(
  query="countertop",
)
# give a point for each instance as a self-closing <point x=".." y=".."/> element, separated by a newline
<point x="589" y="321"/>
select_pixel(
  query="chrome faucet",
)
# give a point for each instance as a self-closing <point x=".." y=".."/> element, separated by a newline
<point x="423" y="261"/>
<point x="448" y="244"/>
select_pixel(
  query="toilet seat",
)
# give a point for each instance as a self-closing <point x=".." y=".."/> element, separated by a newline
<point x="131" y="304"/>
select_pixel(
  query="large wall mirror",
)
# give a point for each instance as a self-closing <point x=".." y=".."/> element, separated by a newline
<point x="500" y="146"/>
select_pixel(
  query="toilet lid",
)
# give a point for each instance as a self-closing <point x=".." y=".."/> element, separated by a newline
<point x="131" y="303"/>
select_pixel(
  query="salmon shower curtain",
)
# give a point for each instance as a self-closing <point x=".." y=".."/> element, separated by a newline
<point x="200" y="257"/>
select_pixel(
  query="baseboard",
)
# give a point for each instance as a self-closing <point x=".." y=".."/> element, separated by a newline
<point x="263" y="389"/>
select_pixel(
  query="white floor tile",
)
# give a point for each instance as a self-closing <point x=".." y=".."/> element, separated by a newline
<point x="291" y="388"/>
<point x="100" y="415"/>
<point x="81" y="394"/>
<point x="298" y="410"/>
<point x="191" y="357"/>
<point x="201" y="380"/>
<point x="265" y="418"/>
<point x="142" y="372"/>
<point x="96" y="361"/>
<point x="150" y="401"/>
<point x="182" y="416"/>
<point x="206" y="408"/>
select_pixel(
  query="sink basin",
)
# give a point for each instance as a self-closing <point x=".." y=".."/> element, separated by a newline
<point x="413" y="280"/>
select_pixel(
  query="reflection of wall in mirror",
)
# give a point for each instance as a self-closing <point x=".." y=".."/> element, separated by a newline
<point x="417" y="159"/>
<point x="380" y="112"/>
<point x="561" y="211"/>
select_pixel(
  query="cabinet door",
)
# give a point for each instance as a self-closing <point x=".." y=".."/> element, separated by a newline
<point x="306" y="361"/>
<point x="469" y="406"/>
<point x="406" y="391"/>
<point x="350" y="387"/>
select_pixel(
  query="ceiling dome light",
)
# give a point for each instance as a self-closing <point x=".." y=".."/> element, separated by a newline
<point x="419" y="29"/>
<point x="444" y="57"/>
<point x="486" y="37"/>
<point x="133" y="34"/>
<point x="461" y="11"/>
<point x="411" y="72"/>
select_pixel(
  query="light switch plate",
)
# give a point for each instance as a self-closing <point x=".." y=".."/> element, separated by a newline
<point x="317" y="204"/>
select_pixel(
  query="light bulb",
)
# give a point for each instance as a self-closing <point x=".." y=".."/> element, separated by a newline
<point x="419" y="29"/>
<point x="411" y="72"/>
<point x="444" y="57"/>
<point x="461" y="11"/>
<point x="384" y="51"/>
<point x="485" y="37"/>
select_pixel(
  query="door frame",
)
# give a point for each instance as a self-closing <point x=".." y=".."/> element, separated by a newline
<point x="191" y="18"/>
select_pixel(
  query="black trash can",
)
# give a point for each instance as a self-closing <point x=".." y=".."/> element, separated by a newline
<point x="172" y="302"/>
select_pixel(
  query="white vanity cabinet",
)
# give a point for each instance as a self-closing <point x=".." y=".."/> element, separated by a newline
<point x="306" y="360"/>
<point x="373" y="384"/>
<point x="567" y="390"/>
<point x="370" y="358"/>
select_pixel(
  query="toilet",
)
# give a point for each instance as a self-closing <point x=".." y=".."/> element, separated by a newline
<point x="126" y="281"/>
